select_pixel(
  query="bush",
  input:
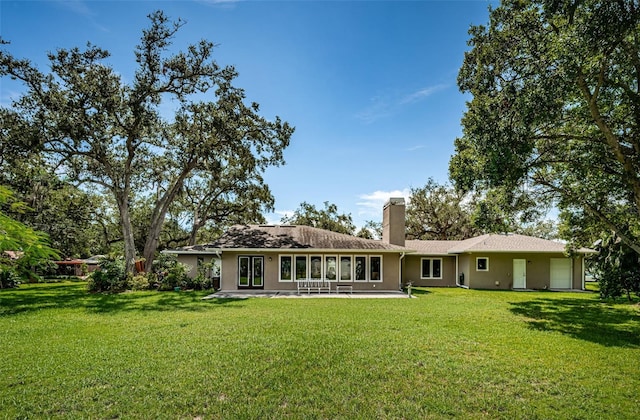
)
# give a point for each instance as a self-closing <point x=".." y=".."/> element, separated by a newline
<point x="138" y="282"/>
<point x="170" y="273"/>
<point x="111" y="277"/>
<point x="9" y="279"/>
<point x="617" y="268"/>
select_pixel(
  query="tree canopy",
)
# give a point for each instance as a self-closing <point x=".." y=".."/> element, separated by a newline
<point x="105" y="132"/>
<point x="27" y="246"/>
<point x="439" y="212"/>
<point x="328" y="218"/>
<point x="555" y="111"/>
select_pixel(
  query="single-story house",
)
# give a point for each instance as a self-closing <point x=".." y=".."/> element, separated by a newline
<point x="281" y="257"/>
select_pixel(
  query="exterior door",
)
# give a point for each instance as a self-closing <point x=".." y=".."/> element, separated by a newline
<point x="519" y="274"/>
<point x="250" y="272"/>
<point x="560" y="273"/>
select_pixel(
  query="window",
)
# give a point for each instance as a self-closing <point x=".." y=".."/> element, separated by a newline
<point x="250" y="271"/>
<point x="375" y="268"/>
<point x="243" y="271"/>
<point x="301" y="267"/>
<point x="315" y="267"/>
<point x="285" y="268"/>
<point x="482" y="264"/>
<point x="256" y="280"/>
<point x="345" y="268"/>
<point x="360" y="268"/>
<point x="431" y="268"/>
<point x="330" y="267"/>
<point x="216" y="267"/>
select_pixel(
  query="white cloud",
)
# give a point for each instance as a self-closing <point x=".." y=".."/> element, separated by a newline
<point x="277" y="215"/>
<point x="79" y="7"/>
<point x="421" y="94"/>
<point x="370" y="205"/>
<point x="379" y="108"/>
<point x="224" y="3"/>
<point x="414" y="148"/>
<point x="382" y="106"/>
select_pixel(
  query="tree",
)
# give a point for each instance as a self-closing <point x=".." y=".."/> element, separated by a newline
<point x="439" y="212"/>
<point x="111" y="134"/>
<point x="29" y="247"/>
<point x="502" y="211"/>
<point x="370" y="230"/>
<point x="61" y="210"/>
<point x="234" y="194"/>
<point x="617" y="268"/>
<point x="555" y="111"/>
<point x="327" y="218"/>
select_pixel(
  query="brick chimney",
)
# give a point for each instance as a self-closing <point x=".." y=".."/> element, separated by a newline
<point x="393" y="222"/>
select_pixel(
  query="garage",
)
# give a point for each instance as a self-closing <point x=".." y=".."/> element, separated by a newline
<point x="560" y="273"/>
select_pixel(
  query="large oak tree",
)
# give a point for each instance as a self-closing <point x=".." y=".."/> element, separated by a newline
<point x="555" y="109"/>
<point x="112" y="134"/>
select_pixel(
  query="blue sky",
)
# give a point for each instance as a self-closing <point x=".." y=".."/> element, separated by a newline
<point x="369" y="85"/>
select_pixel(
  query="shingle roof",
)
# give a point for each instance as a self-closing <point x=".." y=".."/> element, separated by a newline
<point x="291" y="237"/>
<point x="509" y="243"/>
<point x="431" y="247"/>
<point x="305" y="237"/>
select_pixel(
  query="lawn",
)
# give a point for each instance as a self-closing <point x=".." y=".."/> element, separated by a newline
<point x="447" y="353"/>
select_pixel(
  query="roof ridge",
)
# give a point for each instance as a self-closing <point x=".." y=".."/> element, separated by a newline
<point x="468" y="243"/>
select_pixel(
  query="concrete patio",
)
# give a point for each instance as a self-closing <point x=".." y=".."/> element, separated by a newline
<point x="242" y="294"/>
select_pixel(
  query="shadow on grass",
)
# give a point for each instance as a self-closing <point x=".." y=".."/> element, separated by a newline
<point x="418" y="291"/>
<point x="589" y="320"/>
<point x="31" y="298"/>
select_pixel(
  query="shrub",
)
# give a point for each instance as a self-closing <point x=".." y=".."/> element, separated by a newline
<point x="170" y="273"/>
<point x="138" y="282"/>
<point x="9" y="279"/>
<point x="110" y="277"/>
<point x="617" y="268"/>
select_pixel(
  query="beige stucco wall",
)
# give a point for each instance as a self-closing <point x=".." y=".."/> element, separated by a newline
<point x="191" y="261"/>
<point x="578" y="274"/>
<point x="412" y="271"/>
<point x="464" y="268"/>
<point x="500" y="274"/>
<point x="229" y="276"/>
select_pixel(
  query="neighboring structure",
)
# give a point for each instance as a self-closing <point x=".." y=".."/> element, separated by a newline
<point x="78" y="267"/>
<point x="273" y="257"/>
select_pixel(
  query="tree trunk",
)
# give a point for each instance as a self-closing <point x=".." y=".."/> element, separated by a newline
<point x="159" y="214"/>
<point x="127" y="232"/>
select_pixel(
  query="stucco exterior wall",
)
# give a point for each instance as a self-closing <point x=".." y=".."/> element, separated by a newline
<point x="500" y="273"/>
<point x="464" y="268"/>
<point x="578" y="275"/>
<point x="499" y="276"/>
<point x="191" y="261"/>
<point x="229" y="272"/>
<point x="412" y="271"/>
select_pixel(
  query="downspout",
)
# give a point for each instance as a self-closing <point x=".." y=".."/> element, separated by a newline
<point x="400" y="271"/>
<point x="219" y="255"/>
<point x="457" y="272"/>
<point x="583" y="274"/>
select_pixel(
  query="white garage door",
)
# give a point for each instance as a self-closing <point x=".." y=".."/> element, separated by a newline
<point x="560" y="273"/>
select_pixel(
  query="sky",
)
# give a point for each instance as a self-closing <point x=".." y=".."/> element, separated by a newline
<point x="370" y="86"/>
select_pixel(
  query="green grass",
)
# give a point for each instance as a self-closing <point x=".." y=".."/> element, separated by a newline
<point x="449" y="353"/>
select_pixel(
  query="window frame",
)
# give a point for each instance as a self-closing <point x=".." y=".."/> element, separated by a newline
<point x="350" y="279"/>
<point x="486" y="263"/>
<point x="366" y="268"/>
<point x="291" y="268"/>
<point x="431" y="276"/>
<point x="309" y="268"/>
<point x="326" y="267"/>
<point x="370" y="268"/>
<point x="295" y="267"/>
